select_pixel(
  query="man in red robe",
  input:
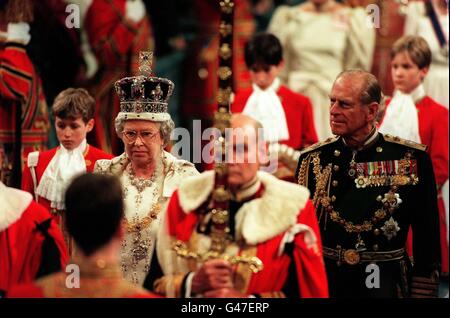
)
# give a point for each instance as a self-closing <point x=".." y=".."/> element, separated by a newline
<point x="271" y="245"/>
<point x="94" y="217"/>
<point x="31" y="244"/>
<point x="24" y="120"/>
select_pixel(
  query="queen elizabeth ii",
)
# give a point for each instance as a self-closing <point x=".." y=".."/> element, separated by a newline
<point x="148" y="173"/>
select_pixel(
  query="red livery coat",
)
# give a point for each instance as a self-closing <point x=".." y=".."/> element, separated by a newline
<point x="20" y="85"/>
<point x="433" y="131"/>
<point x="91" y="155"/>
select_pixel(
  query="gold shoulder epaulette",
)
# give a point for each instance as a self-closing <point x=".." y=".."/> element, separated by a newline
<point x="319" y="144"/>
<point x="405" y="142"/>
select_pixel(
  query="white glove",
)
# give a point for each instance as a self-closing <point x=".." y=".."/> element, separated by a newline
<point x="134" y="10"/>
<point x="19" y="32"/>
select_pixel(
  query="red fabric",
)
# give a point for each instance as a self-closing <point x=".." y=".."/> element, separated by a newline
<point x="181" y="224"/>
<point x="25" y="291"/>
<point x="20" y="84"/>
<point x="298" y="111"/>
<point x="21" y="247"/>
<point x="433" y="131"/>
<point x="309" y="262"/>
<point x="116" y="42"/>
<point x="311" y="274"/>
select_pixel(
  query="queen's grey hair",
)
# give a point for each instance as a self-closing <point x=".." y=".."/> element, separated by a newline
<point x="165" y="129"/>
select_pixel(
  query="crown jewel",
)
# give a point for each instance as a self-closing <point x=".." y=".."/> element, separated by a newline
<point x="144" y="93"/>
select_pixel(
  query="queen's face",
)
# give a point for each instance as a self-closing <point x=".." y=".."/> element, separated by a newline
<point x="143" y="141"/>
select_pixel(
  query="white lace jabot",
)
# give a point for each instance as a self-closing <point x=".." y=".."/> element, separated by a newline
<point x="265" y="106"/>
<point x="65" y="165"/>
<point x="401" y="118"/>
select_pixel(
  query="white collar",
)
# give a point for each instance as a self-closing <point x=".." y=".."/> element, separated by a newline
<point x="64" y="166"/>
<point x="265" y="107"/>
<point x="417" y="94"/>
<point x="13" y="203"/>
<point x="401" y="118"/>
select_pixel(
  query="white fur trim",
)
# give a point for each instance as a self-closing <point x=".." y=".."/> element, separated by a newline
<point x="13" y="203"/>
<point x="260" y="219"/>
<point x="195" y="190"/>
<point x="289" y="236"/>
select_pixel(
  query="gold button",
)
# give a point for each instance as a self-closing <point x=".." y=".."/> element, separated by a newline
<point x="376" y="232"/>
<point x="337" y="153"/>
<point x="336" y="168"/>
<point x="334" y="183"/>
<point x="379" y="198"/>
<point x="379" y="149"/>
<point x="333" y="198"/>
<point x="375" y="247"/>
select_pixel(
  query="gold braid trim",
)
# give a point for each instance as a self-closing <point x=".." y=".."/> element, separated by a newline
<point x="303" y="172"/>
<point x="322" y="176"/>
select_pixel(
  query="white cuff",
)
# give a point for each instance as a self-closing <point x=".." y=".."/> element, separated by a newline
<point x="19" y="32"/>
<point x="188" y="285"/>
<point x="135" y="10"/>
<point x="289" y="236"/>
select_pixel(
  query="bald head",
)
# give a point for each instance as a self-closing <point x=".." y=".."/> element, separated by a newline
<point x="246" y="150"/>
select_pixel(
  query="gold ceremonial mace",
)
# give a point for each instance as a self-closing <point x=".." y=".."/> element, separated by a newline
<point x="218" y="207"/>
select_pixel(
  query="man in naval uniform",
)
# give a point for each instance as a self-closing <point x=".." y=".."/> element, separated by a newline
<point x="368" y="190"/>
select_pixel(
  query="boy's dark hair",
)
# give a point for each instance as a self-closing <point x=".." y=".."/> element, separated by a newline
<point x="416" y="47"/>
<point x="94" y="210"/>
<point x="263" y="49"/>
<point x="72" y="103"/>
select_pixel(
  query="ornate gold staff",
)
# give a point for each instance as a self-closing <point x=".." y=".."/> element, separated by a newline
<point x="218" y="207"/>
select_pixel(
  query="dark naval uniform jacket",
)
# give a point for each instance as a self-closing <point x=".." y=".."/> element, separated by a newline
<point x="366" y="201"/>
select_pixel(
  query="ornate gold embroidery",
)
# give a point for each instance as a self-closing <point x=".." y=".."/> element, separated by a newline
<point x="321" y="175"/>
<point x="183" y="251"/>
<point x="138" y="225"/>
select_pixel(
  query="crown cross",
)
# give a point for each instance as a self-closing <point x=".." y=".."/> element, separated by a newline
<point x="145" y="63"/>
